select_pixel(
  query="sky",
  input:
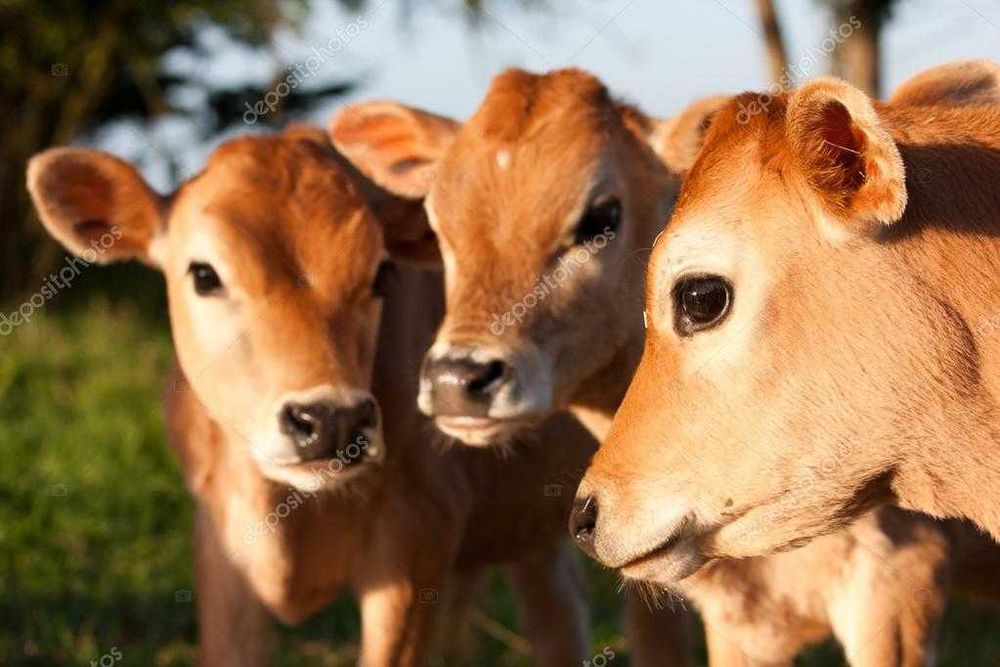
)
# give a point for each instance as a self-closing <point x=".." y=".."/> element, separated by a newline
<point x="659" y="54"/>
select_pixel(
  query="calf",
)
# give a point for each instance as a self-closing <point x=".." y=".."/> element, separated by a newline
<point x="820" y="338"/>
<point x="962" y="83"/>
<point x="293" y="408"/>
<point x="499" y="206"/>
<point x="552" y="175"/>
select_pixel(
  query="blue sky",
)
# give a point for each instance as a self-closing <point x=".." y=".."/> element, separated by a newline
<point x="660" y="54"/>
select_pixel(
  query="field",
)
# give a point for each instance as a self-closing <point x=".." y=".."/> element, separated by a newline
<point x="95" y="555"/>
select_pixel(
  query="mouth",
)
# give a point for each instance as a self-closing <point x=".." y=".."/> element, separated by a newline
<point x="331" y="466"/>
<point x="325" y="473"/>
<point x="672" y="560"/>
<point x="481" y="431"/>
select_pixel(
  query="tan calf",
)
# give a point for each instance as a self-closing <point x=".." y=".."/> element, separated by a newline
<point x="546" y="167"/>
<point x="293" y="411"/>
<point x="821" y="336"/>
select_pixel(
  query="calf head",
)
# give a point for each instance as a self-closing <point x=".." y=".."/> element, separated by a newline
<point x="797" y="361"/>
<point x="542" y="203"/>
<point x="274" y="270"/>
<point x="961" y="83"/>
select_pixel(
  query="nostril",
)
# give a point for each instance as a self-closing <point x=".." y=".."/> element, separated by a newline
<point x="355" y="424"/>
<point x="492" y="374"/>
<point x="325" y="429"/>
<point x="463" y="387"/>
<point x="583" y="521"/>
<point x="297" y="421"/>
<point x="367" y="414"/>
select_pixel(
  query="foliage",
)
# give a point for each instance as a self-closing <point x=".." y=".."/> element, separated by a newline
<point x="66" y="65"/>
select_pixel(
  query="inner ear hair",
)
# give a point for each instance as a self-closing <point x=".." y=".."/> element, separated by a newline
<point x="846" y="154"/>
<point x="92" y="230"/>
<point x="841" y="166"/>
<point x="86" y="197"/>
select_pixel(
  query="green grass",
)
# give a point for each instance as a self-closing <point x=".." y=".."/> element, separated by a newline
<point x="95" y="549"/>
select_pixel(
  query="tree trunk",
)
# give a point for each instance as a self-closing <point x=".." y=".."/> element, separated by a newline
<point x="774" y="42"/>
<point x="858" y="59"/>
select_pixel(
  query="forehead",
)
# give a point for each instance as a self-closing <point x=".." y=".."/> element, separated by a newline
<point x="276" y="198"/>
<point x="740" y="189"/>
<point x="743" y="167"/>
<point x="533" y="135"/>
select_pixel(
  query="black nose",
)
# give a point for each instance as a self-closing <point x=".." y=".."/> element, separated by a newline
<point x="324" y="430"/>
<point x="463" y="387"/>
<point x="583" y="523"/>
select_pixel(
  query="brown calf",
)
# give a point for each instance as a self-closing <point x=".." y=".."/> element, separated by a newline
<point x="294" y="410"/>
<point x="505" y="212"/>
<point x="546" y="166"/>
<point x="821" y="334"/>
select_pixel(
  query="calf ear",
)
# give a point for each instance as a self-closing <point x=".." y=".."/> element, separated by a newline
<point x="679" y="139"/>
<point x="846" y="154"/>
<point x="396" y="146"/>
<point x="408" y="235"/>
<point x="96" y="205"/>
<point x="963" y="83"/>
<point x="307" y="132"/>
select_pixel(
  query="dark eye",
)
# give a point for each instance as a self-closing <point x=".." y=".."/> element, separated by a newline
<point x="599" y="219"/>
<point x="386" y="272"/>
<point x="206" y="280"/>
<point x="700" y="302"/>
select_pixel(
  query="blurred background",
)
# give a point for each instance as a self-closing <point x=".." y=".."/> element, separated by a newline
<point x="95" y="552"/>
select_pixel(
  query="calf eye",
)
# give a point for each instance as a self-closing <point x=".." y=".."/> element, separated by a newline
<point x="700" y="302"/>
<point x="599" y="219"/>
<point x="206" y="280"/>
<point x="386" y="272"/>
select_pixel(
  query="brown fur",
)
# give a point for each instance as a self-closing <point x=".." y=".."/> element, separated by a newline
<point x="510" y="215"/>
<point x="297" y="247"/>
<point x="879" y="592"/>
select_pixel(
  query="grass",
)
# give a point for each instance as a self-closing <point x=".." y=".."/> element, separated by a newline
<point x="95" y="553"/>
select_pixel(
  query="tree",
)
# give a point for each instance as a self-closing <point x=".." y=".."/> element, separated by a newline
<point x="774" y="42"/>
<point x="859" y="59"/>
<point x="67" y="65"/>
